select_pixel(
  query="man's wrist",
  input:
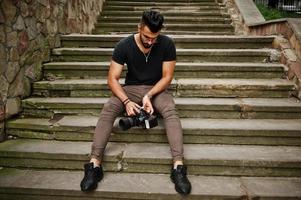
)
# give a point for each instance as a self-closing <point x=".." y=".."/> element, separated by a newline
<point x="126" y="101"/>
<point x="149" y="96"/>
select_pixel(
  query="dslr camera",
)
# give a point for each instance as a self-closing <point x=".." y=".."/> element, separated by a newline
<point x="143" y="119"/>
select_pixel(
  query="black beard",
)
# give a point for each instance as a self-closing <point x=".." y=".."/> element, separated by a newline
<point x="145" y="45"/>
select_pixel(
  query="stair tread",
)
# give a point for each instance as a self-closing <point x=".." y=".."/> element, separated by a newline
<point x="164" y="12"/>
<point x="217" y="32"/>
<point x="242" y="155"/>
<point x="180" y="52"/>
<point x="169" y="19"/>
<point x="162" y="8"/>
<point x="87" y="49"/>
<point x="238" y="104"/>
<point x="86" y="121"/>
<point x="167" y="25"/>
<point x="179" y="66"/>
<point x="129" y="185"/>
<point x="205" y="37"/>
<point x="138" y="3"/>
<point x="181" y="81"/>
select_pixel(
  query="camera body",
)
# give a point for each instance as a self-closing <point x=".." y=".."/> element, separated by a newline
<point x="143" y="119"/>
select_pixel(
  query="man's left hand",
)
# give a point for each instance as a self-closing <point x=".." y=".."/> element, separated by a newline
<point x="147" y="104"/>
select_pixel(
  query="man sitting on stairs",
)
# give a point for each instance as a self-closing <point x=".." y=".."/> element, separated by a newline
<point x="150" y="59"/>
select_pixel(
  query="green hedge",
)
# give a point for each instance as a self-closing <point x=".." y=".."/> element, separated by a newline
<point x="270" y="13"/>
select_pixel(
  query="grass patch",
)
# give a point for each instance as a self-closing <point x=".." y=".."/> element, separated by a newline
<point x="271" y="13"/>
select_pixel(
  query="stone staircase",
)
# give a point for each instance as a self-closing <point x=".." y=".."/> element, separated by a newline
<point x="241" y="126"/>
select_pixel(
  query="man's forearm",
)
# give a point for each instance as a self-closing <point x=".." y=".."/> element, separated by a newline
<point x="117" y="89"/>
<point x="160" y="86"/>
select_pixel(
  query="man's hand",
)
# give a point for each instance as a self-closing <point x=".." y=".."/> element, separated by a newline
<point x="132" y="108"/>
<point x="147" y="104"/>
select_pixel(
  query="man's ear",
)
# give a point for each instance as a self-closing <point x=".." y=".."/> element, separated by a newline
<point x="139" y="27"/>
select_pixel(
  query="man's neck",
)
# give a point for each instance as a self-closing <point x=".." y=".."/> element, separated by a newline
<point x="139" y="43"/>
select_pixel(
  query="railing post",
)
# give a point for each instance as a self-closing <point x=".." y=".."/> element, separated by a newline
<point x="273" y="3"/>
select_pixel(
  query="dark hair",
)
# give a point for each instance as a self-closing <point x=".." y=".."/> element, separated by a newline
<point x="153" y="20"/>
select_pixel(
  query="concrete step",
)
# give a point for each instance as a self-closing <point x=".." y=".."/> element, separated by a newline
<point x="196" y="131"/>
<point x="80" y="70"/>
<point x="169" y="20"/>
<point x="158" y="3"/>
<point x="115" y="27"/>
<point x="183" y="55"/>
<point x="265" y="88"/>
<point x="59" y="185"/>
<point x="180" y="1"/>
<point x="167" y="32"/>
<point x="220" y="108"/>
<point x="193" y="8"/>
<point x="201" y="159"/>
<point x="181" y="41"/>
<point x="173" y="1"/>
<point x="109" y="13"/>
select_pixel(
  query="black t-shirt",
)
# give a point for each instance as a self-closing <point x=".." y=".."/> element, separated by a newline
<point x="141" y="72"/>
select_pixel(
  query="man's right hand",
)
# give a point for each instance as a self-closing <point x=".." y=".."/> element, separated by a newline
<point x="132" y="108"/>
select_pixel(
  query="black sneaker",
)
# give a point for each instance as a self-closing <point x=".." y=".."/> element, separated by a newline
<point x="179" y="178"/>
<point x="92" y="177"/>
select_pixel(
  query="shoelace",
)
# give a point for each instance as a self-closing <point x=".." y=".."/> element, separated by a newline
<point x="90" y="172"/>
<point x="181" y="175"/>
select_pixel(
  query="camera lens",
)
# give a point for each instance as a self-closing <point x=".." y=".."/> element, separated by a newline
<point x="126" y="123"/>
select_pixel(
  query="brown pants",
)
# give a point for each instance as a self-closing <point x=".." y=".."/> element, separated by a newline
<point x="163" y="103"/>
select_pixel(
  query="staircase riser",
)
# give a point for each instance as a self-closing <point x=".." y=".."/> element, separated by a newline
<point x="180" y="58"/>
<point x="160" y="3"/>
<point x="36" y="194"/>
<point x="181" y="1"/>
<point x="161" y="8"/>
<point x="233" y="93"/>
<point x="164" y="168"/>
<point x="102" y="29"/>
<point x="174" y="13"/>
<point x="68" y="195"/>
<point x="169" y="21"/>
<point x="184" y="45"/>
<point x="180" y="93"/>
<point x="227" y="137"/>
<point x="78" y="74"/>
<point x="174" y="32"/>
<point x="29" y="195"/>
<point x="213" y="114"/>
<point x="106" y="196"/>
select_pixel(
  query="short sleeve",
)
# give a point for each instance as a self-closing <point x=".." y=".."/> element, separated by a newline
<point x="119" y="54"/>
<point x="170" y="51"/>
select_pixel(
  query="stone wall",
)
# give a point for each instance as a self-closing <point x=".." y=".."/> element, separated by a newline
<point x="29" y="29"/>
<point x="288" y="32"/>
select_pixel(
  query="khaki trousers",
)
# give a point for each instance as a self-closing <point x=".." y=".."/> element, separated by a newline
<point x="163" y="103"/>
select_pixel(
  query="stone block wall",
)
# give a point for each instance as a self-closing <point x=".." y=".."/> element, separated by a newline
<point x="29" y="29"/>
<point x="288" y="39"/>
